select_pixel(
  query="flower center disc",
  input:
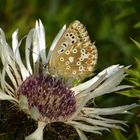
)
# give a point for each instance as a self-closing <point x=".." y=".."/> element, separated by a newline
<point x="53" y="99"/>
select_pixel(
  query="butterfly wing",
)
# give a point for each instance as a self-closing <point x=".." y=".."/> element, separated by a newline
<point x="74" y="55"/>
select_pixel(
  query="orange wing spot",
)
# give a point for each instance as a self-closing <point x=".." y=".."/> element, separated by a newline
<point x="89" y="61"/>
<point x="90" y="56"/>
<point x="89" y="49"/>
<point x="86" y="69"/>
<point x="93" y="52"/>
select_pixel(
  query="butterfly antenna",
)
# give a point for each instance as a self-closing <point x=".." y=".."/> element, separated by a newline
<point x="33" y="51"/>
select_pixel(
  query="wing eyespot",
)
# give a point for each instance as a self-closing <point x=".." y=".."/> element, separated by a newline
<point x="74" y="50"/>
<point x="61" y="50"/>
<point x="67" y="35"/>
<point x="73" y="41"/>
<point x="68" y="67"/>
<point x="71" y="34"/>
<point x="67" y="62"/>
<point x="74" y="72"/>
<point x="81" y="68"/>
<point x="83" y="51"/>
<point x="78" y="63"/>
<point x="81" y="59"/>
<point x="62" y="59"/>
<point x="67" y="52"/>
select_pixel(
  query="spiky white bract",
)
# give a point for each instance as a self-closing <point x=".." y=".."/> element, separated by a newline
<point x="54" y="43"/>
<point x="83" y="118"/>
<point x="38" y="134"/>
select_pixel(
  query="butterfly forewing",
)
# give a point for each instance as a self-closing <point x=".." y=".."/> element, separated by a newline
<point x="75" y="55"/>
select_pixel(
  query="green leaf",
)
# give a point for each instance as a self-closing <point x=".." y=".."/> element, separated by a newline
<point x="134" y="79"/>
<point x="118" y="135"/>
<point x="125" y="12"/>
<point x="131" y="93"/>
<point x="138" y="132"/>
<point x="136" y="43"/>
<point x="137" y="25"/>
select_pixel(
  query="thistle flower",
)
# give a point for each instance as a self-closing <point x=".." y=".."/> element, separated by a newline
<point x="47" y="98"/>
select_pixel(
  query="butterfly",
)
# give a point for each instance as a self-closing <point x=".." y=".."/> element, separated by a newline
<point x="74" y="55"/>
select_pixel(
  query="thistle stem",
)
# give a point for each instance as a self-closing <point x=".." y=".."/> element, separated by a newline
<point x="38" y="133"/>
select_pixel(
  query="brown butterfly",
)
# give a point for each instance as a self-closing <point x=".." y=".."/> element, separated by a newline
<point x="74" y="55"/>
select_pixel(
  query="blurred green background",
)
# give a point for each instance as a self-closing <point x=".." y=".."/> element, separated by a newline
<point x="110" y="23"/>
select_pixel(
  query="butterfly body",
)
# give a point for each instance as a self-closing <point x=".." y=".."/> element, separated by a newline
<point x="74" y="55"/>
